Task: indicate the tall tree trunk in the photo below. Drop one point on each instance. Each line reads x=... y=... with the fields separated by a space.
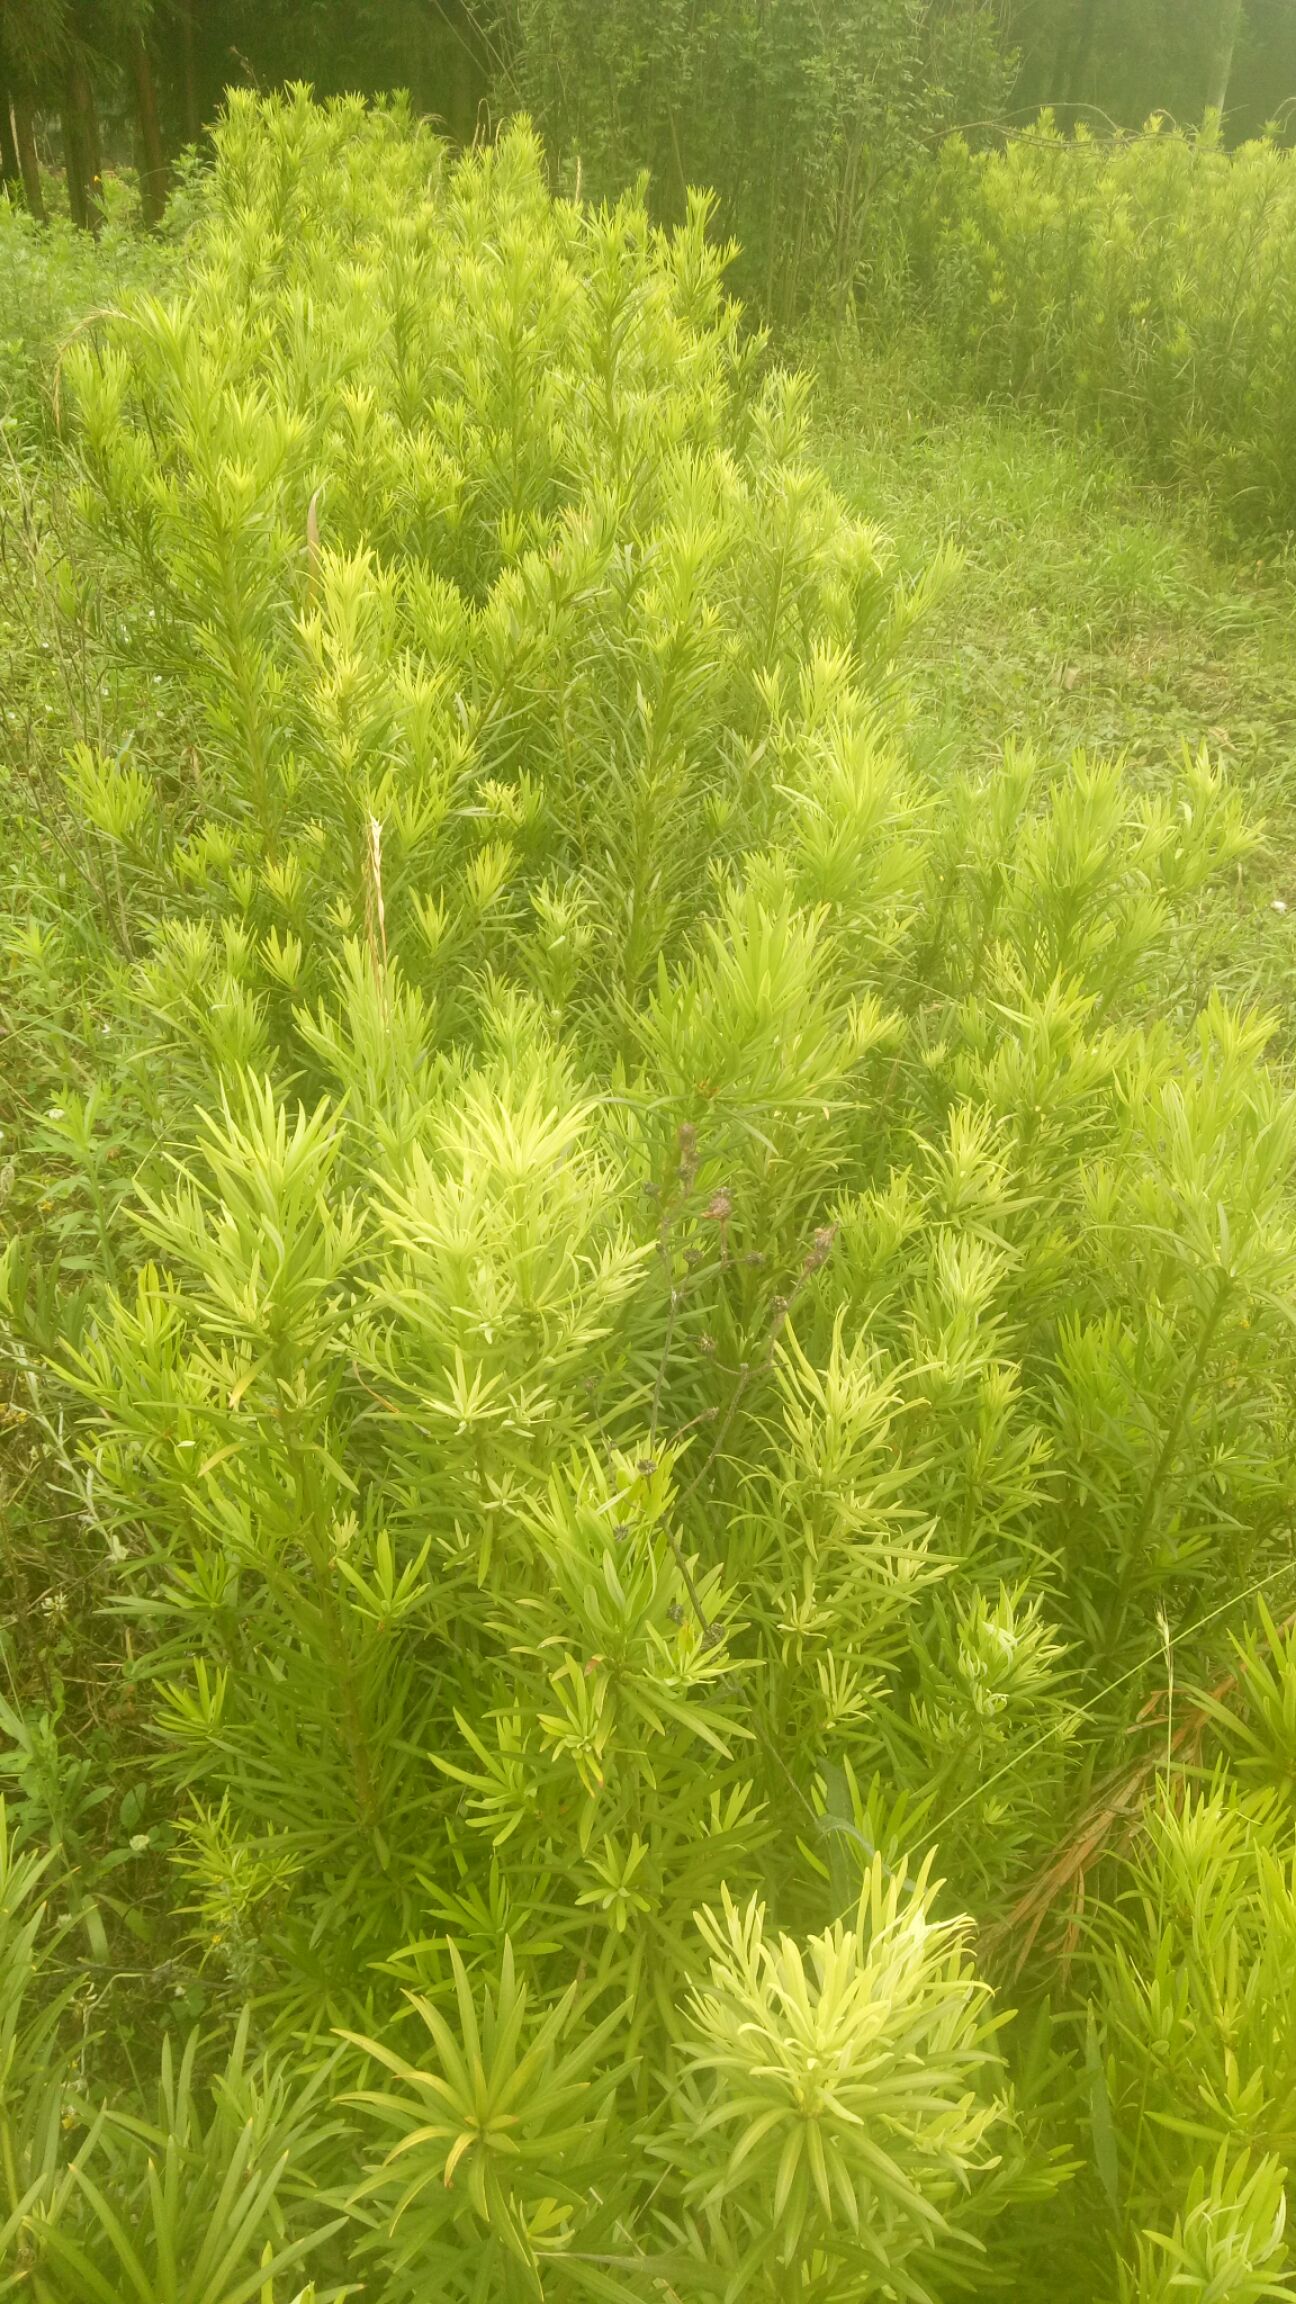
x=153 y=170
x=10 y=172
x=25 y=138
x=81 y=146
x=464 y=68
x=190 y=107
x=461 y=105
x=1060 y=76
x=1083 y=50
x=73 y=169
x=419 y=39
x=1225 y=49
x=1042 y=36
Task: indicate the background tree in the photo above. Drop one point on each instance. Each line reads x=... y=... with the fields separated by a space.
x=29 y=34
x=803 y=115
x=134 y=37
x=83 y=58
x=10 y=167
x=800 y=116
x=1263 y=86
x=436 y=49
x=1223 y=52
x=1128 y=60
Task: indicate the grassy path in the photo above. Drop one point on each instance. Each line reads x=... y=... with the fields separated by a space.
x=1090 y=614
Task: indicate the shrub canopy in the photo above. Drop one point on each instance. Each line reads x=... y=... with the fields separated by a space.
x=690 y=1305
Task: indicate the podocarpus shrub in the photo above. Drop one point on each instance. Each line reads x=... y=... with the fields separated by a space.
x=1146 y=282
x=686 y=1315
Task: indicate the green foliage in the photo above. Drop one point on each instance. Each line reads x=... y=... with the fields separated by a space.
x=836 y=2097
x=501 y=2157
x=31 y=2097
x=186 y=2209
x=1147 y=282
x=804 y=118
x=50 y=276
x=641 y=1323
x=1228 y=2242
x=1192 y=1967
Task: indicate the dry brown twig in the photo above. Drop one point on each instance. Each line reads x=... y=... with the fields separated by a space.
x=1119 y=1803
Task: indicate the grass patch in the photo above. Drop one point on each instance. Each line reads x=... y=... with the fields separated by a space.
x=1093 y=613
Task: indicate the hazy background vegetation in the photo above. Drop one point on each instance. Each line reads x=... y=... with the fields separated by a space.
x=800 y=114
